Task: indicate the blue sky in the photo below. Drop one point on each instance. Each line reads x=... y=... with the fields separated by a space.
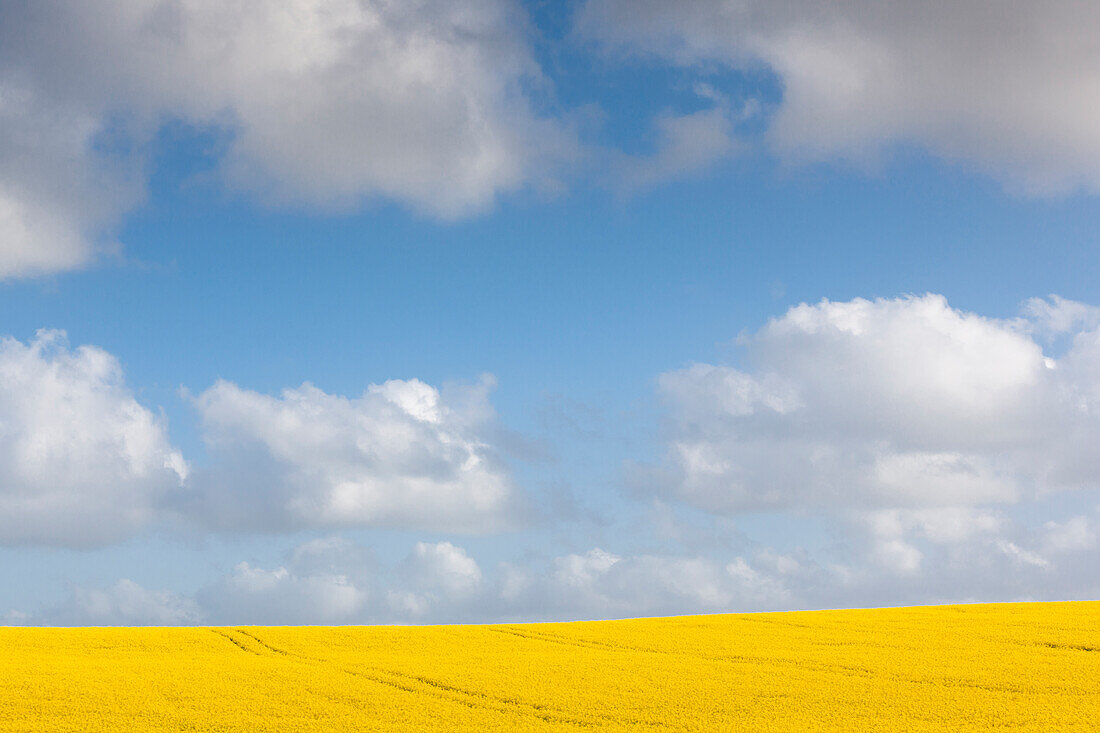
x=651 y=194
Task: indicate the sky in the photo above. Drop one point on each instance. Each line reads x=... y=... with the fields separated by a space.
x=449 y=312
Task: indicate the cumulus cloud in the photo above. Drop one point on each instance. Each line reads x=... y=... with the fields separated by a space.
x=82 y=462
x=1010 y=87
x=904 y=403
x=402 y=454
x=437 y=577
x=324 y=104
x=445 y=566
x=915 y=434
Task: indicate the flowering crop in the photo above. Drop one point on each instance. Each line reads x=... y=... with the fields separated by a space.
x=1030 y=666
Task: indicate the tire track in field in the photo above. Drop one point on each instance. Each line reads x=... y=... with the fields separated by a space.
x=274 y=649
x=846 y=670
x=236 y=643
x=560 y=715
x=415 y=684
x=849 y=670
x=1071 y=647
x=375 y=675
x=412 y=678
x=407 y=682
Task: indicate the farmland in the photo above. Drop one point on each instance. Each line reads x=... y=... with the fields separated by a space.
x=1030 y=666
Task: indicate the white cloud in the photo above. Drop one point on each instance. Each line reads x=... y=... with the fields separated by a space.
x=1011 y=87
x=907 y=428
x=441 y=583
x=892 y=558
x=14 y=617
x=282 y=596
x=578 y=571
x=82 y=463
x=325 y=104
x=898 y=555
x=685 y=145
x=653 y=584
x=402 y=454
x=437 y=577
x=600 y=584
x=445 y=566
x=58 y=198
x=1020 y=555
x=942 y=525
x=904 y=403
x=893 y=533
x=123 y=604
x=323 y=581
x=335 y=581
x=1055 y=315
x=1077 y=534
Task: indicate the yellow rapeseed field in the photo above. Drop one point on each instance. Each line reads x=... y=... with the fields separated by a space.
x=1028 y=666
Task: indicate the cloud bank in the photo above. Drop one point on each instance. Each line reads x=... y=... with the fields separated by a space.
x=900 y=451
x=332 y=580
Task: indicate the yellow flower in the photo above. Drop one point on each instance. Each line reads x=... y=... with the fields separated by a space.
x=1026 y=666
